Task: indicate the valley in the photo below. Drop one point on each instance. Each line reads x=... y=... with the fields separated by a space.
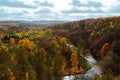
x=34 y=50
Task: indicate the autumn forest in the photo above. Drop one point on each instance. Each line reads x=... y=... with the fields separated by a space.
x=52 y=52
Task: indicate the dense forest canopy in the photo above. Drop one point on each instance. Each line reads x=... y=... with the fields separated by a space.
x=100 y=36
x=59 y=50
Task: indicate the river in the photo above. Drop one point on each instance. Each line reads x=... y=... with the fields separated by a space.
x=90 y=73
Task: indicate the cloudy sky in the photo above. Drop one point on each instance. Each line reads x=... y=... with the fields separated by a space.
x=67 y=10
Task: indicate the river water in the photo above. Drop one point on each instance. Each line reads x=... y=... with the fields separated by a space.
x=90 y=73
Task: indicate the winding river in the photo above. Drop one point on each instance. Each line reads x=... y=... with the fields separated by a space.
x=90 y=73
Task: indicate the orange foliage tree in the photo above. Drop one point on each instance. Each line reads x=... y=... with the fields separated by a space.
x=2 y=47
x=74 y=60
x=104 y=48
x=12 y=41
x=63 y=40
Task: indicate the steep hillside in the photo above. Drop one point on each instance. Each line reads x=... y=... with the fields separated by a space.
x=60 y=50
x=101 y=37
x=90 y=30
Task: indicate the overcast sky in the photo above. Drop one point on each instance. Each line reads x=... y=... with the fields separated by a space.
x=67 y=10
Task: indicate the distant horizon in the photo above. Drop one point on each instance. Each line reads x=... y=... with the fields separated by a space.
x=59 y=20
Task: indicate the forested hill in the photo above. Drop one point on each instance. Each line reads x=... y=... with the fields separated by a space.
x=88 y=23
x=60 y=50
x=100 y=36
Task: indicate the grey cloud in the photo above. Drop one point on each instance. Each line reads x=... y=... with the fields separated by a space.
x=10 y=3
x=13 y=16
x=43 y=11
x=20 y=13
x=43 y=4
x=95 y=15
x=94 y=4
x=115 y=9
x=4 y=13
x=75 y=10
x=77 y=3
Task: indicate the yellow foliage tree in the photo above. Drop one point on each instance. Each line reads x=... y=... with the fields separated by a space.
x=63 y=41
x=27 y=76
x=111 y=25
x=11 y=75
x=54 y=44
x=26 y=43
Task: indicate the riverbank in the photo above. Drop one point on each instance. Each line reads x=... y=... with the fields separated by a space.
x=90 y=73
